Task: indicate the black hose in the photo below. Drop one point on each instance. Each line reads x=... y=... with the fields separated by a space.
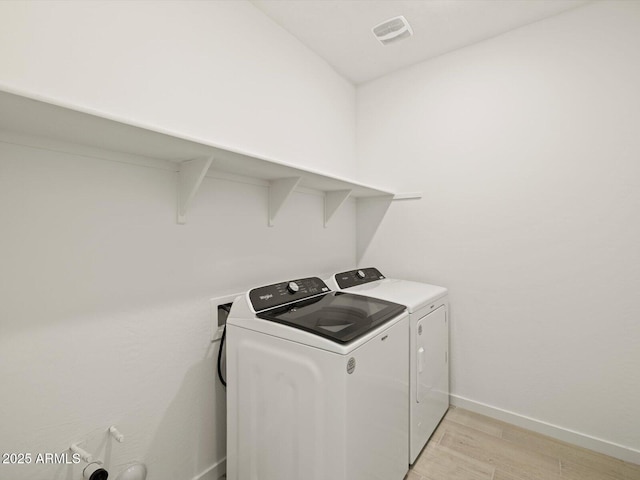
x=227 y=309
x=220 y=357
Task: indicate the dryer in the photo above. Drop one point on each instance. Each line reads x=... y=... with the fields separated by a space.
x=428 y=347
x=317 y=385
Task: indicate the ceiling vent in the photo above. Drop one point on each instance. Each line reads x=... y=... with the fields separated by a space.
x=392 y=30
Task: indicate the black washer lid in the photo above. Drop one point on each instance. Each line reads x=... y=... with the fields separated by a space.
x=338 y=316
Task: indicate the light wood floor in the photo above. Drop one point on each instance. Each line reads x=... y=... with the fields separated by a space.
x=468 y=446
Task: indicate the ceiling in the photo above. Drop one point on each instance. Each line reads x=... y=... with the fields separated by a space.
x=340 y=30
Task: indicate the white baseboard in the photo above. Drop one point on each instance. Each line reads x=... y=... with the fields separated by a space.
x=559 y=433
x=214 y=472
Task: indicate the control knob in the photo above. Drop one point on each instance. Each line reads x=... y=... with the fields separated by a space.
x=292 y=287
x=360 y=274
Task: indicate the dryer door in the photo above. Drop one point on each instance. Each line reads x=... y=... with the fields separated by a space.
x=430 y=378
x=431 y=348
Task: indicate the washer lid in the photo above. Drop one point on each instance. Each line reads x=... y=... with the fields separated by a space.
x=414 y=295
x=337 y=316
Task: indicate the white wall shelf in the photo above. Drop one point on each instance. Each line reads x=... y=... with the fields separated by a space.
x=41 y=118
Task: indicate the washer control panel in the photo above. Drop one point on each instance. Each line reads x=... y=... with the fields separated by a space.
x=277 y=294
x=358 y=277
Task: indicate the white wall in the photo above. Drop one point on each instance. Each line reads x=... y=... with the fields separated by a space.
x=220 y=71
x=527 y=150
x=104 y=311
x=104 y=304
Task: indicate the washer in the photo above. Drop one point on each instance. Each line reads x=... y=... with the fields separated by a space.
x=428 y=344
x=317 y=385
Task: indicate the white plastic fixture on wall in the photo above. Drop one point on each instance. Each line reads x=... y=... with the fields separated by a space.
x=216 y=328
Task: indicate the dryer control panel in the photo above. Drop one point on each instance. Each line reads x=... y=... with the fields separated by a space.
x=358 y=277
x=270 y=296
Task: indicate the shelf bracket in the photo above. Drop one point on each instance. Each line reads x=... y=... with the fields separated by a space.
x=332 y=203
x=369 y=215
x=190 y=176
x=279 y=192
